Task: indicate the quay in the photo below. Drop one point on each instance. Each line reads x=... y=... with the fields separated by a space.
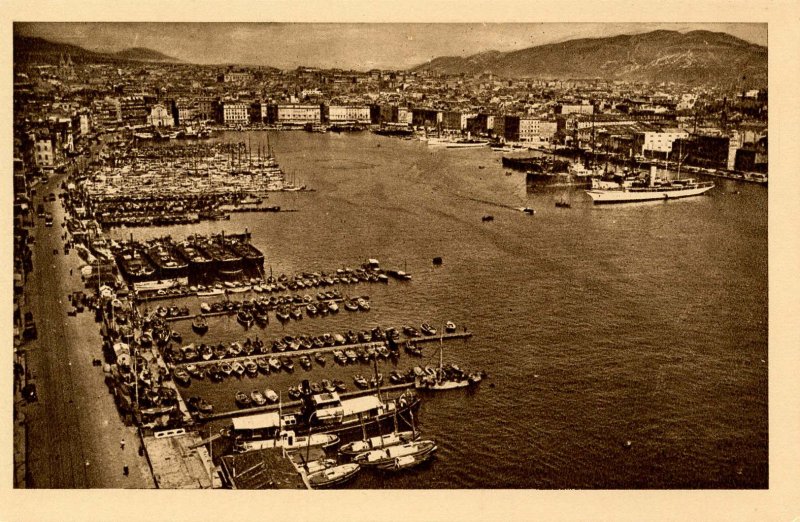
x=295 y=404
x=326 y=349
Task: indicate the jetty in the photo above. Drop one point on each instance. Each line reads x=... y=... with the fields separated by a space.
x=327 y=349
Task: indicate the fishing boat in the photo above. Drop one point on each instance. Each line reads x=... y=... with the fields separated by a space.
x=243 y=400
x=363 y=304
x=413 y=349
x=450 y=327
x=195 y=371
x=205 y=307
x=438 y=379
x=245 y=318
x=250 y=367
x=200 y=405
x=406 y=462
x=258 y=398
x=238 y=368
x=360 y=381
x=410 y=331
x=287 y=363
x=305 y=362
x=382 y=441
x=333 y=476
x=200 y=324
x=320 y=358
x=206 y=352
x=181 y=376
x=294 y=392
x=263 y=364
x=428 y=329
x=384 y=457
x=271 y=396
x=275 y=364
x=226 y=368
x=340 y=385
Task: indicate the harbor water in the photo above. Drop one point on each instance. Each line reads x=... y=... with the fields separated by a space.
x=626 y=346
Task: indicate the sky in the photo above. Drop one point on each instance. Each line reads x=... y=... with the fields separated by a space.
x=343 y=45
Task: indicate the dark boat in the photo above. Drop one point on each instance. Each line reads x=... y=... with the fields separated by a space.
x=245 y=318
x=243 y=400
x=200 y=324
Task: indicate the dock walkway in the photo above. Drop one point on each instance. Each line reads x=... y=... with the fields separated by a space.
x=327 y=349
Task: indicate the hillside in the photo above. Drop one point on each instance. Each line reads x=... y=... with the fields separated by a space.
x=39 y=50
x=696 y=57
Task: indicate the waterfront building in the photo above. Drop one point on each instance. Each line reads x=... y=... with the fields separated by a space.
x=426 y=117
x=294 y=114
x=233 y=113
x=703 y=151
x=405 y=115
x=658 y=144
x=348 y=114
x=182 y=112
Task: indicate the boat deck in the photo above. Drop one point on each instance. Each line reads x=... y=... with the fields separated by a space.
x=296 y=404
x=261 y=469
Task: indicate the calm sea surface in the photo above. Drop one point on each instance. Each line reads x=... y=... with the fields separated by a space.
x=598 y=325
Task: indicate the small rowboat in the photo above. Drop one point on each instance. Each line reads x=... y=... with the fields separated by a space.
x=242 y=400
x=258 y=398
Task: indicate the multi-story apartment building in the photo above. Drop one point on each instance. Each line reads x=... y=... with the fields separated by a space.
x=348 y=114
x=658 y=143
x=44 y=151
x=294 y=113
x=234 y=113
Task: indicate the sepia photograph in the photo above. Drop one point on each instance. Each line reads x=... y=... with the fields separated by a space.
x=299 y=254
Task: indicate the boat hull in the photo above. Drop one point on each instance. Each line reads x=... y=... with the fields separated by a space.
x=600 y=197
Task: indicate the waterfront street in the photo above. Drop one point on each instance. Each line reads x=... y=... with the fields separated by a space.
x=75 y=420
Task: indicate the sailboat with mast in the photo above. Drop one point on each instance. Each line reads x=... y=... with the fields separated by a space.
x=440 y=379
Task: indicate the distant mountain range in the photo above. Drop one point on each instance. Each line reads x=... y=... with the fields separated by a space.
x=39 y=50
x=694 y=58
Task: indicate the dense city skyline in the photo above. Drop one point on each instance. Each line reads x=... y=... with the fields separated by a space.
x=346 y=45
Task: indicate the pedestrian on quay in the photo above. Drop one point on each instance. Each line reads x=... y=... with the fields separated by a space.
x=122 y=444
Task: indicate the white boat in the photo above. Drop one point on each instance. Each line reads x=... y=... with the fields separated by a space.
x=271 y=396
x=382 y=457
x=238 y=289
x=651 y=189
x=652 y=192
x=333 y=476
x=384 y=441
x=288 y=440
